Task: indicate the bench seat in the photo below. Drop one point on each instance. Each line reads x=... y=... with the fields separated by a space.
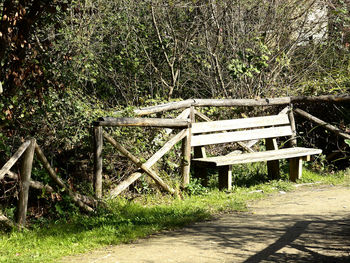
x=271 y=129
x=271 y=155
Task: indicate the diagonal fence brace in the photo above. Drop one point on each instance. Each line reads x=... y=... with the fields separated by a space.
x=135 y=160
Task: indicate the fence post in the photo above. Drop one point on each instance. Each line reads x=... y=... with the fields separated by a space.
x=293 y=141
x=98 y=145
x=26 y=171
x=186 y=153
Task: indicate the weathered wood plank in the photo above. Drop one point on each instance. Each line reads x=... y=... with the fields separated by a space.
x=246 y=146
x=207 y=139
x=322 y=123
x=143 y=122
x=245 y=123
x=8 y=165
x=98 y=145
x=26 y=171
x=293 y=139
x=322 y=98
x=186 y=152
x=234 y=153
x=240 y=102
x=285 y=110
x=136 y=161
x=124 y=184
x=259 y=156
x=164 y=107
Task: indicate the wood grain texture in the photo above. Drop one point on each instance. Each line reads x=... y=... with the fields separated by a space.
x=293 y=139
x=207 y=139
x=226 y=125
x=246 y=146
x=124 y=184
x=240 y=102
x=259 y=156
x=184 y=115
x=164 y=107
x=186 y=152
x=143 y=122
x=98 y=145
x=26 y=171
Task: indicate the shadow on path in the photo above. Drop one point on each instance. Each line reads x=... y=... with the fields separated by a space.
x=312 y=225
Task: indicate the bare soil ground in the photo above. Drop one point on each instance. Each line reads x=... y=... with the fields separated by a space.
x=311 y=224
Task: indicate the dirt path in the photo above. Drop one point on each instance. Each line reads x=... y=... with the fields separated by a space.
x=307 y=225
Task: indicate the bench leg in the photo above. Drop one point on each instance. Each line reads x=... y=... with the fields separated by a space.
x=225 y=177
x=273 y=169
x=201 y=173
x=295 y=168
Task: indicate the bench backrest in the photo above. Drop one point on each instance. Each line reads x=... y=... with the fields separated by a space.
x=240 y=130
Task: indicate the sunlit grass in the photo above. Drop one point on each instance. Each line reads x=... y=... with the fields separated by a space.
x=125 y=221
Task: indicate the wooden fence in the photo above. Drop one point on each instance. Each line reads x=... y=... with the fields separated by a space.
x=183 y=123
x=27 y=151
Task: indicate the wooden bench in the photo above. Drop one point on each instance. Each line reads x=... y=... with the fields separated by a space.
x=239 y=130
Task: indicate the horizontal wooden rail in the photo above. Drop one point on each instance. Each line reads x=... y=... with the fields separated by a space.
x=143 y=122
x=164 y=107
x=240 y=102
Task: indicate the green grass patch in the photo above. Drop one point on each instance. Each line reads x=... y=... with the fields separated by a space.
x=333 y=178
x=124 y=221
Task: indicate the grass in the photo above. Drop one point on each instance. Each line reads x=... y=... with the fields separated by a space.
x=124 y=221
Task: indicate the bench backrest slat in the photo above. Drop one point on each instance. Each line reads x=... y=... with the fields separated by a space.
x=226 y=125
x=236 y=136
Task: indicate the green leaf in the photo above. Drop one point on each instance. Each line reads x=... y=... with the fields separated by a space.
x=347 y=142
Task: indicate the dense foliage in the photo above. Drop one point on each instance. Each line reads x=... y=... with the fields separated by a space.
x=66 y=63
